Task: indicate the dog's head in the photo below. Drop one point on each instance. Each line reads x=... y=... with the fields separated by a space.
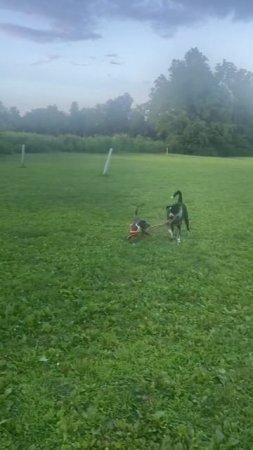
x=169 y=212
x=135 y=227
x=139 y=226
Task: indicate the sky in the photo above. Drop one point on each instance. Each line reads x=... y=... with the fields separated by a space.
x=60 y=51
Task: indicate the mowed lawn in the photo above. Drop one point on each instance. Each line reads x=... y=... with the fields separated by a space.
x=107 y=345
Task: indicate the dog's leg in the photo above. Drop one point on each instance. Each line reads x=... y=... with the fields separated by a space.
x=187 y=223
x=186 y=218
x=171 y=231
x=178 y=234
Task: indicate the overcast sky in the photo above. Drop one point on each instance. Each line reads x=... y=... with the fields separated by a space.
x=59 y=51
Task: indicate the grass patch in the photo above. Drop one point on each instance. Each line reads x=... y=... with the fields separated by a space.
x=108 y=345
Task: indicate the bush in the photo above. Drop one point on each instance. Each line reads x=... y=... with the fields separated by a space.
x=10 y=142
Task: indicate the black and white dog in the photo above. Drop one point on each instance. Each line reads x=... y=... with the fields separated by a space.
x=139 y=227
x=176 y=215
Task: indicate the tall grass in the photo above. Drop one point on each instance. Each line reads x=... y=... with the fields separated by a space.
x=10 y=142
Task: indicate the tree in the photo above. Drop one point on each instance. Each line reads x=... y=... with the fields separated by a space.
x=3 y=117
x=45 y=120
x=191 y=84
x=76 y=120
x=139 y=122
x=200 y=111
x=238 y=84
x=116 y=114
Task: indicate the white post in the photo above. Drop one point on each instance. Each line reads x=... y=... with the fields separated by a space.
x=107 y=162
x=167 y=150
x=23 y=155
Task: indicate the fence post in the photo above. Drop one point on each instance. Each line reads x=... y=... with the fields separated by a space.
x=22 y=156
x=107 y=162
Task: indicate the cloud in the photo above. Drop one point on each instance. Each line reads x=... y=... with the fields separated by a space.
x=49 y=59
x=75 y=20
x=112 y=55
x=115 y=63
x=43 y=36
x=74 y=63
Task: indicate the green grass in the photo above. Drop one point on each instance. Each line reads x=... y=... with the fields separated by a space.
x=105 y=345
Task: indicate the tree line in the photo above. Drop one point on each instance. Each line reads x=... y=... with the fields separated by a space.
x=113 y=117
x=194 y=110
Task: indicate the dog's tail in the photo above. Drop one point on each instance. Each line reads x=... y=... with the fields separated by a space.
x=180 y=196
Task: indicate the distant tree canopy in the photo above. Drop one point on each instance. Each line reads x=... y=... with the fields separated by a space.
x=195 y=110
x=200 y=111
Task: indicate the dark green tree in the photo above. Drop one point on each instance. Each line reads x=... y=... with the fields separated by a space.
x=200 y=111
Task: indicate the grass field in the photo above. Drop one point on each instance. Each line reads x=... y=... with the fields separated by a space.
x=105 y=345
